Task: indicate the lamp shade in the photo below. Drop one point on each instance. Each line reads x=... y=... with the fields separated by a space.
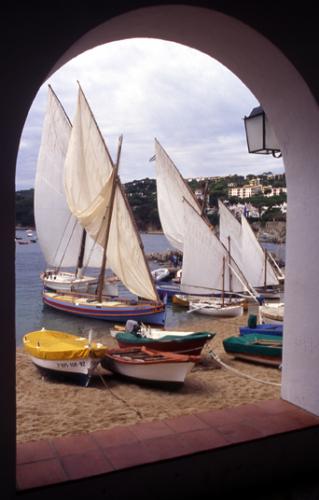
x=259 y=134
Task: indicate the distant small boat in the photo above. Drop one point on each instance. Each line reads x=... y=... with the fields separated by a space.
x=64 y=355
x=22 y=242
x=146 y=365
x=65 y=282
x=256 y=347
x=164 y=340
x=160 y=274
x=265 y=328
x=209 y=308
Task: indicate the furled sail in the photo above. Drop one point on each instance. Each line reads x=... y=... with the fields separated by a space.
x=171 y=190
x=59 y=233
x=244 y=248
x=203 y=259
x=89 y=177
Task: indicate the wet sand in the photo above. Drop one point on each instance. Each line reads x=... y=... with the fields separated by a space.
x=47 y=408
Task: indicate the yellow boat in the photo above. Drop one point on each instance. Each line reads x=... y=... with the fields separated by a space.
x=64 y=355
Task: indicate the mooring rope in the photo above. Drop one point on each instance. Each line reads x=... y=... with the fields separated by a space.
x=218 y=360
x=138 y=413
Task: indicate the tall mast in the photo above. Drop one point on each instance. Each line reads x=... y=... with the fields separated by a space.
x=81 y=254
x=107 y=232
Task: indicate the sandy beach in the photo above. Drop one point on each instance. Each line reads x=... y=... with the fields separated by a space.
x=47 y=408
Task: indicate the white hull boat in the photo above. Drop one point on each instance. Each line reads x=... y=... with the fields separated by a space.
x=162 y=273
x=272 y=313
x=67 y=282
x=216 y=309
x=146 y=365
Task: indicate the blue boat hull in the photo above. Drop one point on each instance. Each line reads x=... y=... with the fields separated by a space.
x=266 y=329
x=146 y=312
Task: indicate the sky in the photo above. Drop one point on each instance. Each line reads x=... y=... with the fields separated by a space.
x=147 y=88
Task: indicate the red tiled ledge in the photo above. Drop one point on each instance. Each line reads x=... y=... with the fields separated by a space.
x=47 y=462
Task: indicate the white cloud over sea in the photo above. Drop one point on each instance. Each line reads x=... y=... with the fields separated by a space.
x=145 y=88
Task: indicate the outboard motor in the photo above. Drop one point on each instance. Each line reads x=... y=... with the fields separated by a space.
x=132 y=326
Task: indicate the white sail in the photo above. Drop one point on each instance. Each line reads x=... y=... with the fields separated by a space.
x=171 y=190
x=230 y=233
x=59 y=233
x=203 y=259
x=125 y=254
x=244 y=248
x=253 y=259
x=89 y=173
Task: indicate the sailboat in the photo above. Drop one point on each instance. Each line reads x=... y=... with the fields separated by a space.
x=253 y=260
x=60 y=236
x=96 y=198
x=208 y=267
x=188 y=230
x=171 y=191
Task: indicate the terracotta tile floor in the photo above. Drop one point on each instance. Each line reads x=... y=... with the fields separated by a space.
x=62 y=459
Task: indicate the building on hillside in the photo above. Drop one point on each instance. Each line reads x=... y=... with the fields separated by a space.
x=246 y=191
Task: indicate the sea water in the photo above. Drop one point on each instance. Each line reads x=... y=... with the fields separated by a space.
x=32 y=314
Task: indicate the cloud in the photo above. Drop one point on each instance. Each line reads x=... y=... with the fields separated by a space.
x=145 y=88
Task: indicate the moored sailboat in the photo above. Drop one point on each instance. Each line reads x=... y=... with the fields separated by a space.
x=188 y=230
x=256 y=263
x=61 y=238
x=99 y=204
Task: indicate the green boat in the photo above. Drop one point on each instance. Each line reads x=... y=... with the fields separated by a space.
x=256 y=347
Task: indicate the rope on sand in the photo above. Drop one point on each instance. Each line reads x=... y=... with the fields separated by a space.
x=139 y=414
x=216 y=358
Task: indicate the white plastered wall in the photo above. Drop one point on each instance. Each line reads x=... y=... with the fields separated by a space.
x=294 y=116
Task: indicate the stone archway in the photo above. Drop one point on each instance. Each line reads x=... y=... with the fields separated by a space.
x=293 y=113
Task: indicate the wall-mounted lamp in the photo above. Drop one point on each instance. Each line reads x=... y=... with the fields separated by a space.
x=259 y=134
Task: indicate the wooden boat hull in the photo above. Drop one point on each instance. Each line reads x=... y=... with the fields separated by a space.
x=265 y=349
x=143 y=365
x=192 y=343
x=115 y=311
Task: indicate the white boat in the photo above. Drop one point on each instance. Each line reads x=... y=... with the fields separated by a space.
x=228 y=310
x=62 y=240
x=146 y=365
x=272 y=313
x=64 y=355
x=66 y=282
x=98 y=202
x=256 y=263
x=160 y=274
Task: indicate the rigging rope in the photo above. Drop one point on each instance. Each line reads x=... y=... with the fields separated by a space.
x=237 y=372
x=60 y=243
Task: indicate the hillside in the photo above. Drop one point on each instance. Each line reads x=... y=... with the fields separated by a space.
x=142 y=194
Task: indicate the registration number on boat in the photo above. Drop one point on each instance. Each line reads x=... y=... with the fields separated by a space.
x=70 y=364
